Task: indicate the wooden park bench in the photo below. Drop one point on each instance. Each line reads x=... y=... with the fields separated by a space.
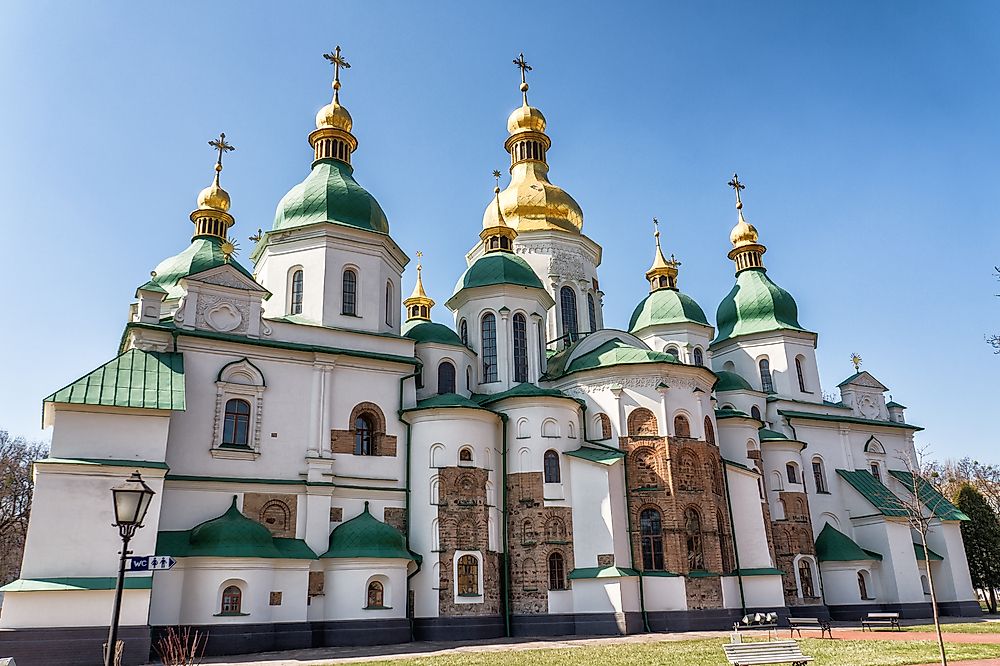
x=881 y=620
x=797 y=624
x=772 y=652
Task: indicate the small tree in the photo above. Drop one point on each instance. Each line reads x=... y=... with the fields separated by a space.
x=181 y=646
x=981 y=535
x=16 y=485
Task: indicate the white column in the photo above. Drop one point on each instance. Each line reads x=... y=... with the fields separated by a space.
x=505 y=357
x=534 y=345
x=315 y=413
x=665 y=428
x=617 y=392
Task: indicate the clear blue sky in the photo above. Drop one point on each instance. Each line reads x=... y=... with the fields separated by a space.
x=866 y=133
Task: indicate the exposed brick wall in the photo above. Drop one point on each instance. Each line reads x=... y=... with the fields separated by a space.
x=535 y=532
x=463 y=524
x=676 y=475
x=336 y=514
x=607 y=560
x=791 y=536
x=396 y=516
x=342 y=441
x=273 y=511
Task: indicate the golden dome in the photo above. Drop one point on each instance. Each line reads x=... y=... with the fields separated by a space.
x=334 y=115
x=524 y=119
x=743 y=233
x=214 y=197
x=531 y=203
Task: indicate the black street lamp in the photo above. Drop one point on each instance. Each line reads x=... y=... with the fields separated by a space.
x=132 y=499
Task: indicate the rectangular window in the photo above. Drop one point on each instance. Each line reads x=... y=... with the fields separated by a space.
x=489 y=348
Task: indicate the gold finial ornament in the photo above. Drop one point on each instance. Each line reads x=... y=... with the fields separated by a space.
x=856 y=360
x=499 y=236
x=747 y=252
x=419 y=304
x=211 y=217
x=663 y=273
x=530 y=202
x=332 y=138
x=230 y=248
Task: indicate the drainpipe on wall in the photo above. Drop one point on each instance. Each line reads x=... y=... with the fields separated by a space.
x=736 y=548
x=628 y=519
x=406 y=494
x=503 y=523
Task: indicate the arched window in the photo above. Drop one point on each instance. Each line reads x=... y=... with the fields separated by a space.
x=682 y=428
x=591 y=312
x=349 y=302
x=651 y=533
x=489 y=348
x=468 y=378
x=376 y=595
x=642 y=422
x=819 y=476
x=552 y=474
x=755 y=413
x=446 y=377
x=236 y=428
x=363 y=431
x=567 y=299
x=465 y=455
x=709 y=431
x=557 y=572
x=605 y=426
x=806 y=579
x=699 y=356
x=673 y=350
x=766 y=385
x=863 y=584
x=232 y=601
x=468 y=576
x=296 y=304
x=792 y=472
x=692 y=531
x=800 y=373
x=876 y=472
x=520 y=348
x=463 y=331
x=388 y=303
x=925 y=584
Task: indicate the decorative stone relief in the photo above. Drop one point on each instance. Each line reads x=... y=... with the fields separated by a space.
x=631 y=382
x=222 y=314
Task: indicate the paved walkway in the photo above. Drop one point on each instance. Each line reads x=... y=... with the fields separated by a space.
x=888 y=635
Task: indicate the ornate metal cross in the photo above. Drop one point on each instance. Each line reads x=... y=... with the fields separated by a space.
x=337 y=61
x=737 y=186
x=523 y=65
x=221 y=146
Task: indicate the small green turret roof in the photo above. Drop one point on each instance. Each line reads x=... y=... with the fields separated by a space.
x=666 y=306
x=524 y=390
x=366 y=536
x=230 y=535
x=330 y=194
x=755 y=305
x=428 y=331
x=204 y=253
x=730 y=381
x=832 y=545
x=617 y=352
x=446 y=400
x=498 y=268
x=765 y=434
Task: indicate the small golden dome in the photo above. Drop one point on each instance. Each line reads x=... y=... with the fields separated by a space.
x=531 y=203
x=334 y=115
x=743 y=233
x=214 y=197
x=525 y=118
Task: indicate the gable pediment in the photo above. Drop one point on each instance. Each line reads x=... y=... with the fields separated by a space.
x=863 y=379
x=227 y=276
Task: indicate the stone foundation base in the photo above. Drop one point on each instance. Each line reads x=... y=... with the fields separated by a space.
x=855 y=612
x=70 y=646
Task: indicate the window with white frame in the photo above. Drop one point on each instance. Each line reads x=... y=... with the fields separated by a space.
x=239 y=399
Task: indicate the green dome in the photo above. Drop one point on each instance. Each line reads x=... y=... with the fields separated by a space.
x=204 y=253
x=666 y=306
x=232 y=535
x=755 y=305
x=730 y=381
x=366 y=536
x=330 y=194
x=498 y=268
x=429 y=331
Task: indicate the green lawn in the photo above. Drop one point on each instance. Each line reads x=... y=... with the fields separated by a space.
x=961 y=628
x=708 y=652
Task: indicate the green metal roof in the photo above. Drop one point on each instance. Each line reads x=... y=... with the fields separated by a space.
x=524 y=390
x=204 y=253
x=918 y=551
x=594 y=455
x=429 y=331
x=666 y=306
x=366 y=536
x=330 y=194
x=230 y=535
x=137 y=379
x=602 y=572
x=758 y=571
x=104 y=462
x=730 y=381
x=76 y=584
x=764 y=434
x=872 y=490
x=893 y=403
x=447 y=400
x=847 y=419
x=929 y=496
x=616 y=352
x=755 y=305
x=731 y=414
x=498 y=268
x=832 y=545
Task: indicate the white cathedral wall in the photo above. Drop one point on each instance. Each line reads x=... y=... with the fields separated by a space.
x=593 y=524
x=781 y=349
x=666 y=593
x=748 y=519
x=346 y=588
x=899 y=580
x=840 y=583
x=685 y=337
x=85 y=608
x=952 y=581
x=93 y=432
x=432 y=355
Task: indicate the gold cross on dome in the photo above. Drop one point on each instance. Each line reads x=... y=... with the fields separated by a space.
x=337 y=61
x=221 y=146
x=524 y=67
x=656 y=230
x=420 y=255
x=737 y=186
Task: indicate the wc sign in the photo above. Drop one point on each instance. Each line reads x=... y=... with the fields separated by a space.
x=150 y=563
